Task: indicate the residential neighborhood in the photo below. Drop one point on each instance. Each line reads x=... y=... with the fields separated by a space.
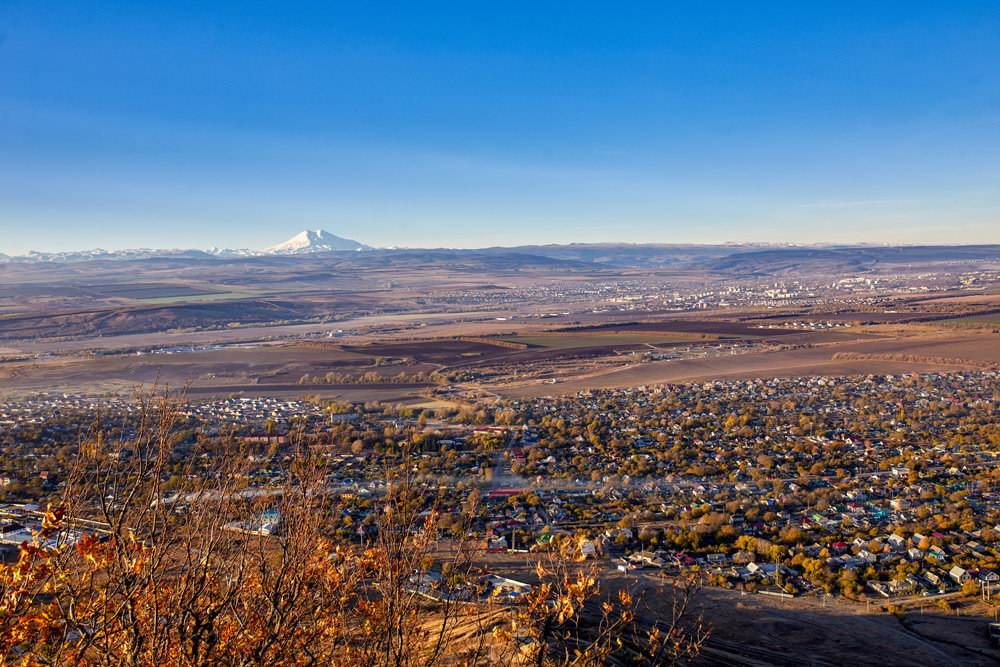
x=863 y=487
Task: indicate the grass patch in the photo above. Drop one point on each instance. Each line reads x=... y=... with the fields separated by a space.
x=972 y=322
x=221 y=296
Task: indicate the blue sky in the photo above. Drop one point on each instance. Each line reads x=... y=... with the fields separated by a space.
x=466 y=124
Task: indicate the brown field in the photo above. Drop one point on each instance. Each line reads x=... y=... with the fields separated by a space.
x=859 y=316
x=806 y=361
x=442 y=352
x=455 y=353
x=716 y=326
x=273 y=368
x=825 y=336
x=988 y=299
x=573 y=360
x=863 y=317
x=533 y=355
x=598 y=340
x=451 y=354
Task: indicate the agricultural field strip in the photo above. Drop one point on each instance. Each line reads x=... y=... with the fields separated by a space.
x=570 y=341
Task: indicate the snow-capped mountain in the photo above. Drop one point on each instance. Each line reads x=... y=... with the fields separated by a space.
x=314 y=241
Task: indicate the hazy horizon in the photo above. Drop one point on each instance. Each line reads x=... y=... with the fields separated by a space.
x=452 y=125
x=817 y=244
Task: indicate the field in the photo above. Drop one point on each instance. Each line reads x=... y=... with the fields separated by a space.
x=387 y=392
x=443 y=352
x=882 y=356
x=217 y=296
x=973 y=321
x=261 y=369
x=718 y=327
x=429 y=326
x=862 y=317
x=144 y=290
x=573 y=360
x=563 y=341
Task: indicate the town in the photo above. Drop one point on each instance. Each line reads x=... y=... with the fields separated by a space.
x=864 y=488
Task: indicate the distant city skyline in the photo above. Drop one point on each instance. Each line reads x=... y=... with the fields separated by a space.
x=193 y=125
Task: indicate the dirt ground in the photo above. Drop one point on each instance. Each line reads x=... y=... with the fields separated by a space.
x=432 y=351
x=791 y=635
x=758 y=630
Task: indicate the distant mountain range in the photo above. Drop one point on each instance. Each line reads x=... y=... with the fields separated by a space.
x=304 y=242
x=649 y=255
x=731 y=259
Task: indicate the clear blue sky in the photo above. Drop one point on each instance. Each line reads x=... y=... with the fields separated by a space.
x=177 y=124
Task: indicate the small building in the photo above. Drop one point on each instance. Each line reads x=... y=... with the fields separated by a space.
x=717 y=559
x=646 y=559
x=896 y=542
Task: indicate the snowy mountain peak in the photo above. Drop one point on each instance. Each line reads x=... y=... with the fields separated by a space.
x=314 y=241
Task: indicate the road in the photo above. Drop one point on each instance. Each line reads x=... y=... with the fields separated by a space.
x=498 y=469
